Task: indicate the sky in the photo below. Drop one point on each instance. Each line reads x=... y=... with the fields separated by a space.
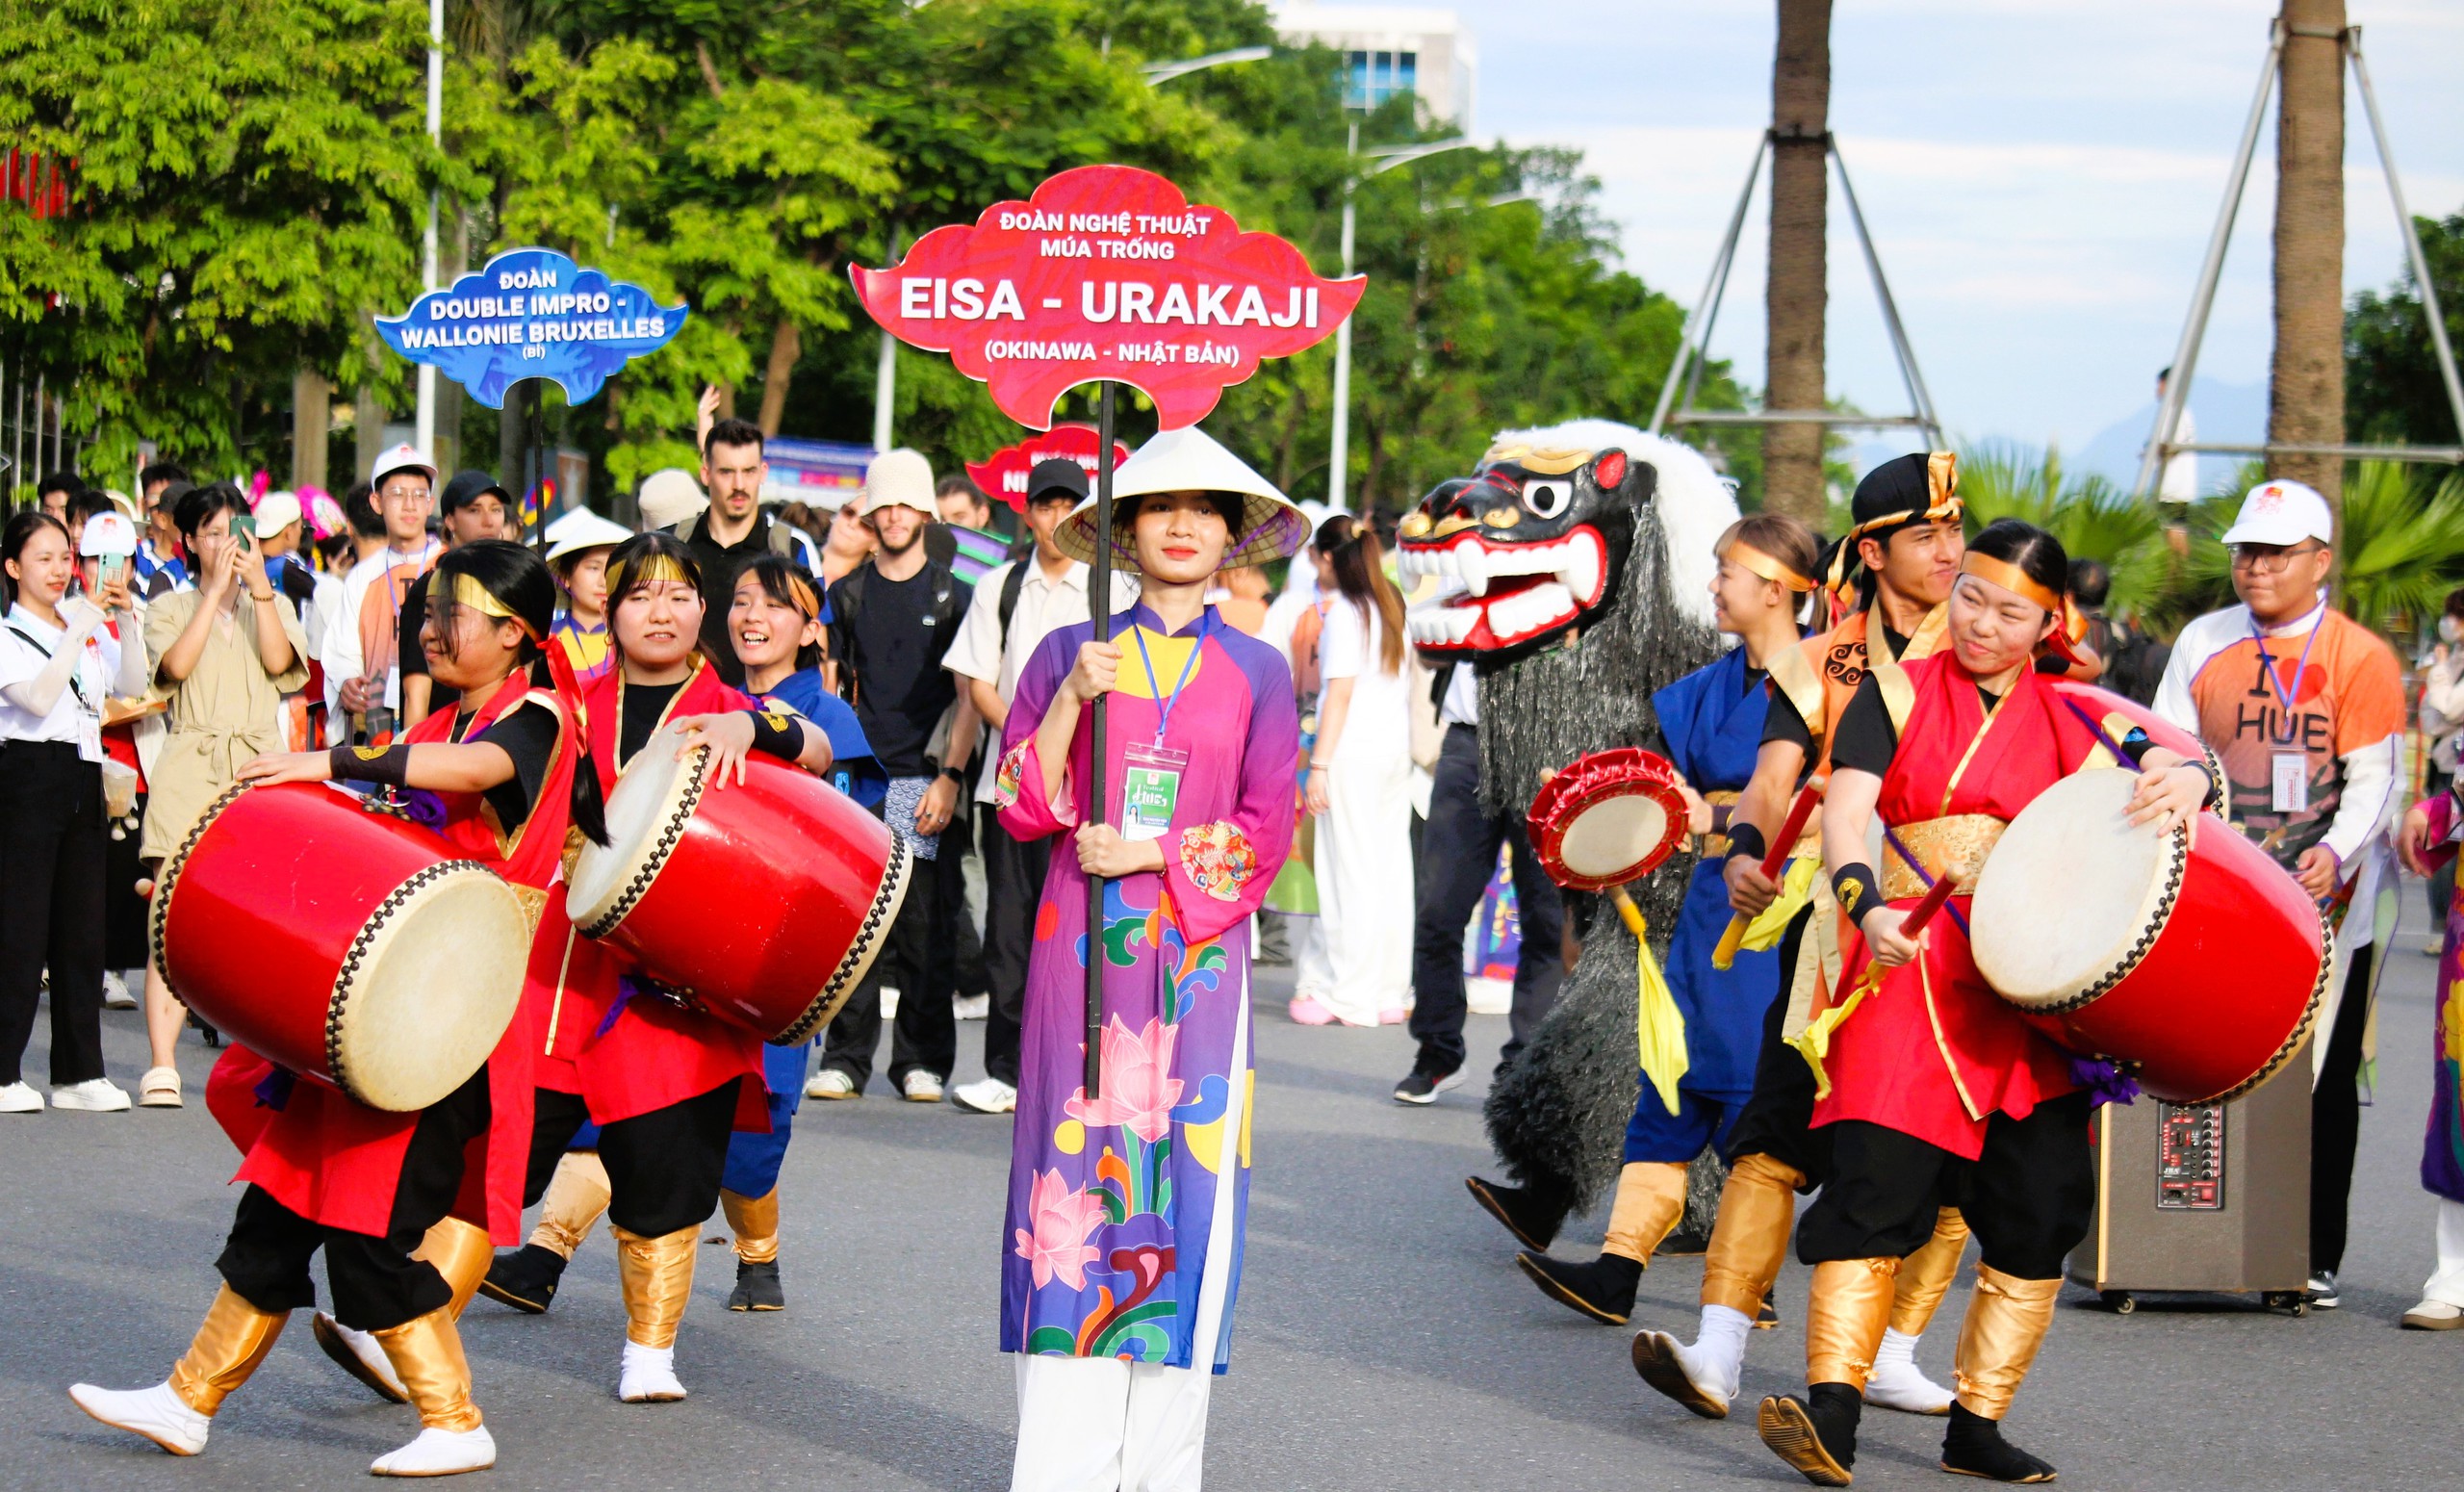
x=2041 y=177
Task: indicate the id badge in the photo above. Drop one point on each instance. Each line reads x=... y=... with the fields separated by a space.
x=1150 y=789
x=90 y=737
x=2290 y=774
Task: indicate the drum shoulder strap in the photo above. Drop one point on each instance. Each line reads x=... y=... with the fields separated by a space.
x=1898 y=691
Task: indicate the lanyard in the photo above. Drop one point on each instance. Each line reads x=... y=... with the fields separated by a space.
x=2267 y=663
x=1154 y=689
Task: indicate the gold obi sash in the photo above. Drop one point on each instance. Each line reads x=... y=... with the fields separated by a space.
x=1715 y=844
x=1954 y=845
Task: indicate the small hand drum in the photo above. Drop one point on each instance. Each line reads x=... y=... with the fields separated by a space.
x=1608 y=819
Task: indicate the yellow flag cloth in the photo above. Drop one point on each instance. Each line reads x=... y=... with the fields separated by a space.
x=1796 y=890
x=1813 y=1042
x=1659 y=1027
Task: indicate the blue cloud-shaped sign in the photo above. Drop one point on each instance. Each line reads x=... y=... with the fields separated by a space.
x=532 y=313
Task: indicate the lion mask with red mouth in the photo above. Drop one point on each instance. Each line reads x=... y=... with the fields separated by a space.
x=1536 y=546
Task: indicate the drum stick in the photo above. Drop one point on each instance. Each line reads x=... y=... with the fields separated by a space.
x=1918 y=915
x=1773 y=855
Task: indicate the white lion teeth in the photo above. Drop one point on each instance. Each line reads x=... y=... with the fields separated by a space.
x=1578 y=569
x=1473 y=563
x=1438 y=624
x=1532 y=609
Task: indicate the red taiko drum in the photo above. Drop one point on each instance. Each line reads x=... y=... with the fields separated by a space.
x=2193 y=959
x=344 y=944
x=762 y=902
x=1608 y=819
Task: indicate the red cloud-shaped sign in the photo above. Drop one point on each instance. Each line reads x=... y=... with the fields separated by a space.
x=1106 y=273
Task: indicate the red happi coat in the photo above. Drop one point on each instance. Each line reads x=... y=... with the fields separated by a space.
x=650 y=1053
x=338 y=1162
x=1934 y=1052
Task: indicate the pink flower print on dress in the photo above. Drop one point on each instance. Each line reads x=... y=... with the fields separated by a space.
x=1139 y=1090
x=1058 y=1247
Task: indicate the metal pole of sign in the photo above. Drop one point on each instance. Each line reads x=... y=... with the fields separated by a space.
x=2412 y=238
x=425 y=419
x=1696 y=331
x=1099 y=595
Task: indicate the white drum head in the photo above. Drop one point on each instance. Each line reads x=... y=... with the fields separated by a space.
x=429 y=987
x=654 y=793
x=2072 y=895
x=1606 y=841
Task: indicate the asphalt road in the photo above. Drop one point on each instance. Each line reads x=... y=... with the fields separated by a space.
x=1384 y=1337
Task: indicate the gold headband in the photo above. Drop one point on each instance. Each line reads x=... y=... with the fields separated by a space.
x=800 y=593
x=2010 y=577
x=1746 y=556
x=644 y=570
x=469 y=592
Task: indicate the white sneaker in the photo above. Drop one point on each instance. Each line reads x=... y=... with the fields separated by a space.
x=831 y=1083
x=921 y=1087
x=94 y=1095
x=22 y=1099
x=359 y=1354
x=440 y=1453
x=972 y=1007
x=157 y=1413
x=990 y=1096
x=2434 y=1316
x=648 y=1375
x=1898 y=1383
x=115 y=995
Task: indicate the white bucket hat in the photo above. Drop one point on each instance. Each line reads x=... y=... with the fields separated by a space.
x=1191 y=460
x=900 y=477
x=581 y=530
x=668 y=497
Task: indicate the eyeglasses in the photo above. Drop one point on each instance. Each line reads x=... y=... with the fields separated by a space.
x=2269 y=559
x=408 y=496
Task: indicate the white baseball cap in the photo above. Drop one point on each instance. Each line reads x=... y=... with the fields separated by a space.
x=106 y=533
x=900 y=479
x=404 y=457
x=277 y=511
x=2282 y=512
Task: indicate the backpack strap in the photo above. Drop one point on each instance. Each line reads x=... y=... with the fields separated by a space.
x=1012 y=584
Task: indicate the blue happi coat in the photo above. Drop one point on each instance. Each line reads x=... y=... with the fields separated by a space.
x=1713 y=719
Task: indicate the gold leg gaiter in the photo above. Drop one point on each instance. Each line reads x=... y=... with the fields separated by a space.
x=754 y=1222
x=427 y=1355
x=2006 y=1320
x=1926 y=1275
x=234 y=1339
x=657 y=1275
x=1750 y=1236
x=1650 y=1199
x=1845 y=1318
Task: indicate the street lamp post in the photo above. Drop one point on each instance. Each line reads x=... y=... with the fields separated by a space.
x=1339 y=447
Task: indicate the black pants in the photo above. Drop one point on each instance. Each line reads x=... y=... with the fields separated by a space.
x=1013 y=872
x=377 y=1284
x=51 y=907
x=1458 y=853
x=2335 y=1117
x=2028 y=1197
x=663 y=1166
x=958 y=953
x=925 y=1036
x=1778 y=1121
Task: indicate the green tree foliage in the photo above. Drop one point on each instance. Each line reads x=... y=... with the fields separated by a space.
x=2393 y=391
x=253 y=183
x=249 y=183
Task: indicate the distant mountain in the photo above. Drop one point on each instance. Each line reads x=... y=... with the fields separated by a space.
x=2222 y=412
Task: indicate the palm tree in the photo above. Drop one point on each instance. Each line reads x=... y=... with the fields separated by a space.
x=2092 y=517
x=1794 y=295
x=2401 y=547
x=2306 y=381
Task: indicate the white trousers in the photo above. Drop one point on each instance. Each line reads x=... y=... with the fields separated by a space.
x=1104 y=1425
x=1363 y=870
x=2448 y=1283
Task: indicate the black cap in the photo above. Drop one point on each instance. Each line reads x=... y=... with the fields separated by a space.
x=1899 y=487
x=1060 y=473
x=465 y=489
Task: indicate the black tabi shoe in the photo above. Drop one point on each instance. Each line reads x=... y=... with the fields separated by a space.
x=1603 y=1290
x=524 y=1279
x=1973 y=1447
x=321 y=1328
x=1769 y=1317
x=1818 y=1434
x=1533 y=1218
x=757 y=1288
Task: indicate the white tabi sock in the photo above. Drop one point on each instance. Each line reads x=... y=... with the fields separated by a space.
x=1717 y=1357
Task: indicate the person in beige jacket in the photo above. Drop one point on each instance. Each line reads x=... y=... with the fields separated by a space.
x=227 y=653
